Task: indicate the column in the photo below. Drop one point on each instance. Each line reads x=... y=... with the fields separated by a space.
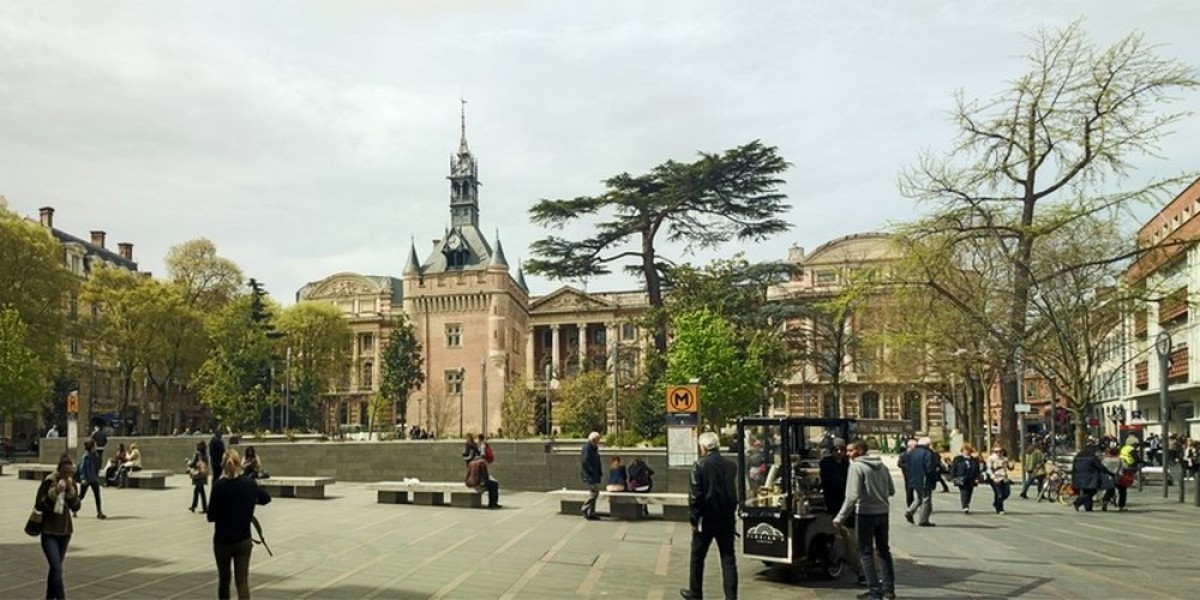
x=610 y=342
x=530 y=367
x=555 y=356
x=583 y=343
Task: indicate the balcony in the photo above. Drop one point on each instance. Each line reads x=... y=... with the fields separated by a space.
x=1178 y=367
x=1174 y=306
x=1142 y=375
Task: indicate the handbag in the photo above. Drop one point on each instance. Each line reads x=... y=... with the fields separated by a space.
x=33 y=527
x=1125 y=479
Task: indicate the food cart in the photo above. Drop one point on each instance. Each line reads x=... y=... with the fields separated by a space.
x=784 y=520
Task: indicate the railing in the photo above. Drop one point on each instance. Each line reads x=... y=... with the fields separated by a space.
x=1142 y=375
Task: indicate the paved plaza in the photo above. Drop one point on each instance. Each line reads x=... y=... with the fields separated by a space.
x=347 y=546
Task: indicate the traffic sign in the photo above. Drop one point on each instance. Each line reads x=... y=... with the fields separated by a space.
x=1022 y=408
x=683 y=399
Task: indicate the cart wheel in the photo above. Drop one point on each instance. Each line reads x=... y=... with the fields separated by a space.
x=832 y=558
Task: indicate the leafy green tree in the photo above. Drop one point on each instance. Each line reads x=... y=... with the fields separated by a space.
x=233 y=379
x=22 y=381
x=402 y=368
x=706 y=348
x=207 y=280
x=1056 y=147
x=320 y=339
x=35 y=283
x=519 y=410
x=581 y=403
x=702 y=204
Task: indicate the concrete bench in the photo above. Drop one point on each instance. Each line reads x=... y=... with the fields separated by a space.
x=1153 y=474
x=626 y=505
x=296 y=487
x=429 y=493
x=154 y=479
x=35 y=471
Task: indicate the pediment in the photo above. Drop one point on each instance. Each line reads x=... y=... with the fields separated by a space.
x=344 y=284
x=569 y=299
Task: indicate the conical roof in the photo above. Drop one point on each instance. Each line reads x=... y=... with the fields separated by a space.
x=498 y=259
x=521 y=279
x=414 y=263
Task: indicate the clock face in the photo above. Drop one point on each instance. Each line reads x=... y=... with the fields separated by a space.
x=454 y=243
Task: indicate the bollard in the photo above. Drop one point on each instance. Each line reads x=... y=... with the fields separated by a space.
x=1182 y=484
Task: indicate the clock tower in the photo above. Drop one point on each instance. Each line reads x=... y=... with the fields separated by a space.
x=464 y=181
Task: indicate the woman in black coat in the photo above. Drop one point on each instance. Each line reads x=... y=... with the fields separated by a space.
x=230 y=510
x=1086 y=471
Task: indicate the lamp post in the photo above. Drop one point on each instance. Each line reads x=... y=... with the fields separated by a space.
x=1162 y=345
x=287 y=393
x=616 y=354
x=462 y=380
x=483 y=413
x=549 y=402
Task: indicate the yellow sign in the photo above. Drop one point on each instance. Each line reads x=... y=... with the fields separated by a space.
x=683 y=399
x=73 y=403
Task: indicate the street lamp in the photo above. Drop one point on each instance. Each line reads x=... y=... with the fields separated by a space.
x=483 y=414
x=1162 y=345
x=549 y=403
x=462 y=379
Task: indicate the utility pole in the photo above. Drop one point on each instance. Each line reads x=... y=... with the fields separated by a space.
x=483 y=412
x=1162 y=345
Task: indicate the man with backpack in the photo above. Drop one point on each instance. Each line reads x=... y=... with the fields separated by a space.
x=922 y=472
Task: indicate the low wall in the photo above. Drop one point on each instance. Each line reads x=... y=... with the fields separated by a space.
x=520 y=465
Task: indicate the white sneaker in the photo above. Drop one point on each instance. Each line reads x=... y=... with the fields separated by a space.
x=1002 y=513
x=966 y=511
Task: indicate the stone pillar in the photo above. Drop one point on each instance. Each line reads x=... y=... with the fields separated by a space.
x=530 y=365
x=555 y=356
x=610 y=341
x=583 y=344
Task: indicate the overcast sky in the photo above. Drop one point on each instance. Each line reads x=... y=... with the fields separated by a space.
x=309 y=138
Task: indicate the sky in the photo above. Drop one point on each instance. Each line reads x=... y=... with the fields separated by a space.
x=307 y=138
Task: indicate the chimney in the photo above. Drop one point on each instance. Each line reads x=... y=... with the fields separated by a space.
x=98 y=238
x=435 y=243
x=47 y=214
x=125 y=249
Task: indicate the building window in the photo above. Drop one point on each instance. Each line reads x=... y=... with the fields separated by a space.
x=454 y=382
x=74 y=347
x=368 y=376
x=829 y=406
x=912 y=410
x=628 y=331
x=598 y=337
x=868 y=405
x=826 y=277
x=366 y=343
x=454 y=335
x=73 y=307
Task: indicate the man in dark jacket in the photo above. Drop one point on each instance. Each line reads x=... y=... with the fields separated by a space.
x=589 y=462
x=921 y=472
x=712 y=503
x=216 y=455
x=835 y=469
x=902 y=462
x=1085 y=476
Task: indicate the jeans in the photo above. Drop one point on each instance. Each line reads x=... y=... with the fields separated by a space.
x=872 y=533
x=1040 y=479
x=702 y=538
x=55 y=549
x=589 y=507
x=1115 y=495
x=1086 y=498
x=198 y=494
x=493 y=488
x=1000 y=490
x=239 y=555
x=95 y=486
x=922 y=504
x=964 y=495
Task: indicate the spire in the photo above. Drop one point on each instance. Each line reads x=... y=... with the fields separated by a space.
x=414 y=264
x=521 y=278
x=498 y=259
x=462 y=141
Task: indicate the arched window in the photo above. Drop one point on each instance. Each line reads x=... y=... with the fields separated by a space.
x=912 y=410
x=829 y=406
x=868 y=405
x=368 y=376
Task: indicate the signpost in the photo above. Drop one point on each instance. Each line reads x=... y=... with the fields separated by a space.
x=72 y=420
x=683 y=417
x=1162 y=345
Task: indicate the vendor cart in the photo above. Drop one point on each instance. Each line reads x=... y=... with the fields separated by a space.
x=784 y=519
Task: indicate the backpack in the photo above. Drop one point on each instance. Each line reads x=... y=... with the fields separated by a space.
x=487 y=454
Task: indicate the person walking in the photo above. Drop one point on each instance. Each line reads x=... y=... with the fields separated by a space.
x=231 y=511
x=57 y=497
x=966 y=471
x=589 y=462
x=1110 y=480
x=921 y=473
x=198 y=471
x=868 y=490
x=1085 y=476
x=89 y=476
x=998 y=466
x=1033 y=469
x=835 y=471
x=902 y=462
x=712 y=506
x=216 y=454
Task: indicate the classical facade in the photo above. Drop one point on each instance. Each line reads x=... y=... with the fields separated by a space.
x=868 y=389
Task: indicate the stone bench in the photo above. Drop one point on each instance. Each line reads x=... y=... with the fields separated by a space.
x=429 y=493
x=296 y=487
x=1153 y=474
x=154 y=479
x=626 y=505
x=35 y=471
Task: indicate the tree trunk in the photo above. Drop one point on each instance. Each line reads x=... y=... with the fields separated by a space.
x=654 y=291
